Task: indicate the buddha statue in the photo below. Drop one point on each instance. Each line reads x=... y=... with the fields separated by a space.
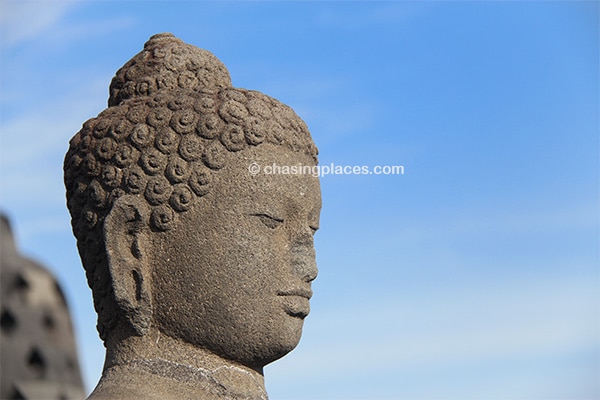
x=200 y=271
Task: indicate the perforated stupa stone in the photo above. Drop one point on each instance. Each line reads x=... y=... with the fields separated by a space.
x=38 y=352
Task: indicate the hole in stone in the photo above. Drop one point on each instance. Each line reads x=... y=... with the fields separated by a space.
x=21 y=283
x=7 y=321
x=70 y=364
x=49 y=322
x=36 y=361
x=16 y=395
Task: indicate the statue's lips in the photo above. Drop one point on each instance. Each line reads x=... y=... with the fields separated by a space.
x=300 y=292
x=296 y=302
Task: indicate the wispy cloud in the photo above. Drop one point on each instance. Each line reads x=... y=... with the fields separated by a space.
x=496 y=321
x=528 y=220
x=22 y=21
x=35 y=132
x=34 y=143
x=46 y=26
x=493 y=324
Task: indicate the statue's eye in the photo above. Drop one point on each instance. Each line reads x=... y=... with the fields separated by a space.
x=269 y=221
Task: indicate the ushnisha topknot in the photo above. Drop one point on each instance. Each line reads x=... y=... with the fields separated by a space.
x=173 y=116
x=167 y=63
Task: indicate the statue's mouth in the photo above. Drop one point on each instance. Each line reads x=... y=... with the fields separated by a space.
x=296 y=302
x=300 y=292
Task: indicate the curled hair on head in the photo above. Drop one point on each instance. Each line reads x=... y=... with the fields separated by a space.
x=162 y=142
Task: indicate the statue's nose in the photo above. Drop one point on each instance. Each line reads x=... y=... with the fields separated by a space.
x=303 y=258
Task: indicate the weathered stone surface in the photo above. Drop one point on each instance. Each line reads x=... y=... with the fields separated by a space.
x=38 y=350
x=200 y=271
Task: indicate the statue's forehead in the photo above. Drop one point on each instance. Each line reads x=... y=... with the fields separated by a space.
x=284 y=179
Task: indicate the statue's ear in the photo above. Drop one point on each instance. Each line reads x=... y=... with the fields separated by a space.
x=126 y=235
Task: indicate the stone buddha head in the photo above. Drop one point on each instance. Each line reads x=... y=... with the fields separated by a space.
x=179 y=241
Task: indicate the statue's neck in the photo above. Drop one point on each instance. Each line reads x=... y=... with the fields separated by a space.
x=159 y=366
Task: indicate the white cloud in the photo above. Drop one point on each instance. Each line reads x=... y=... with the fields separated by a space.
x=35 y=141
x=22 y=21
x=523 y=221
x=44 y=28
x=497 y=322
x=482 y=328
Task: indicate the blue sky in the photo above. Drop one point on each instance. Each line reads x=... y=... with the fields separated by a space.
x=472 y=276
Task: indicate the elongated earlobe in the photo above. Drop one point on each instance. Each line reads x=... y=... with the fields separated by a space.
x=126 y=235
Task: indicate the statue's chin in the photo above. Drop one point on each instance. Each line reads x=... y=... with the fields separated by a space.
x=261 y=353
x=282 y=344
x=255 y=351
